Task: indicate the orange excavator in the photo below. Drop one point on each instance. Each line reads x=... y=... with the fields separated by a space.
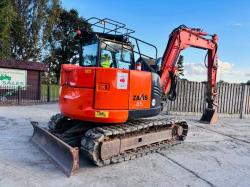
x=111 y=100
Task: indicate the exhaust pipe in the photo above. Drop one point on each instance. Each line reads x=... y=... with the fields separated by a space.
x=65 y=156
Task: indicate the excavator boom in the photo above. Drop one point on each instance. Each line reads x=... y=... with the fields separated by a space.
x=180 y=39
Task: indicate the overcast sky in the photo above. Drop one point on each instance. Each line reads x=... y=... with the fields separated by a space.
x=154 y=20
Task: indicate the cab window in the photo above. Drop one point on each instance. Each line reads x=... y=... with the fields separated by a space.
x=123 y=59
x=89 y=54
x=119 y=56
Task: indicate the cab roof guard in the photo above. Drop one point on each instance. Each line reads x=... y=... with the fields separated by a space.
x=110 y=26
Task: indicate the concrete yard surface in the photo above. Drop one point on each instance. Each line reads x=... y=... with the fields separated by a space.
x=210 y=156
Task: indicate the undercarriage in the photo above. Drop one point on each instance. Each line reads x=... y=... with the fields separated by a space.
x=105 y=144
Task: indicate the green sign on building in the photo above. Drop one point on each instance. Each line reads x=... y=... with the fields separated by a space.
x=13 y=78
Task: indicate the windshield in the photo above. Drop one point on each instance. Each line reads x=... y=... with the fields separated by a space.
x=89 y=55
x=114 y=55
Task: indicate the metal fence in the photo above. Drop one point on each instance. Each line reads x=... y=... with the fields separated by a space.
x=28 y=95
x=233 y=99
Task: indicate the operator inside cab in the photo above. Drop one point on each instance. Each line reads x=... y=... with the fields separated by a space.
x=105 y=61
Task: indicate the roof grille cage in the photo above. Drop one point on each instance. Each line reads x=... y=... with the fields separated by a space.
x=109 y=26
x=112 y=27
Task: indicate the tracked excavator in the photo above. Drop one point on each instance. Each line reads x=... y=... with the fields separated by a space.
x=111 y=103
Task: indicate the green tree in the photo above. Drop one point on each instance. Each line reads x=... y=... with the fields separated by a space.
x=6 y=17
x=222 y=82
x=32 y=26
x=63 y=48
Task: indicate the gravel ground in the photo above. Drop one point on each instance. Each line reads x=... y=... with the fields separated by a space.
x=210 y=156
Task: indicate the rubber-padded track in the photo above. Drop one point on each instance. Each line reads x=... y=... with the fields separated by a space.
x=93 y=139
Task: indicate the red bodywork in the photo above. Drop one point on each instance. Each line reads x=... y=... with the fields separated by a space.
x=181 y=39
x=93 y=94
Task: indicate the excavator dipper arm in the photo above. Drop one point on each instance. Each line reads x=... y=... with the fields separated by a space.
x=180 y=39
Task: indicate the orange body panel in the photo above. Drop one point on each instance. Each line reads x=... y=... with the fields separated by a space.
x=109 y=91
x=77 y=103
x=82 y=77
x=77 y=76
x=103 y=94
x=140 y=90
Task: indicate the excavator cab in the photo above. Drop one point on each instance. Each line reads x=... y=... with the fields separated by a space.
x=109 y=85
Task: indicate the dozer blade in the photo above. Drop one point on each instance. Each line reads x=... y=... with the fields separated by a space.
x=65 y=156
x=209 y=116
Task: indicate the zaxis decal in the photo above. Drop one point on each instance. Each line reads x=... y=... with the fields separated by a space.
x=141 y=97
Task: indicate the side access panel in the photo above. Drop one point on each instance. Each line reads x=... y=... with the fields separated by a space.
x=140 y=90
x=112 y=89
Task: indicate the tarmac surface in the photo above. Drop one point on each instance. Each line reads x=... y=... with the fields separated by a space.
x=210 y=156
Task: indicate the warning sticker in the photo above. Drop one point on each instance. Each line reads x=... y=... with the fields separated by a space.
x=101 y=114
x=122 y=80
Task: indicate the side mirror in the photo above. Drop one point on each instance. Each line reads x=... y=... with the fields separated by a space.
x=158 y=63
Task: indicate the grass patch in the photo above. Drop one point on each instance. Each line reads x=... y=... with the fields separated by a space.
x=54 y=92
